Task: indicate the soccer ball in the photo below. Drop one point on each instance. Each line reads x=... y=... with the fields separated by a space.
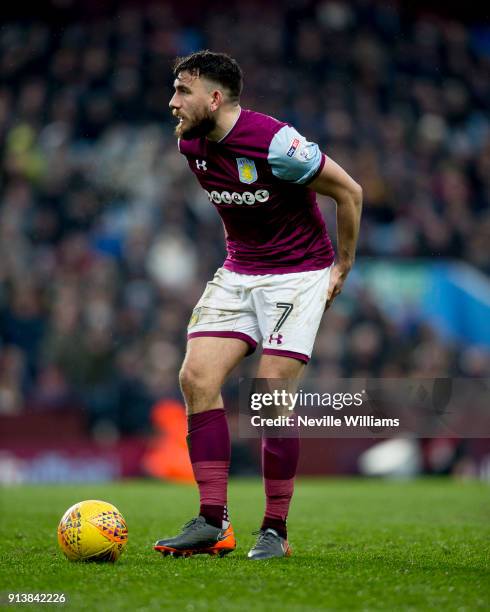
x=92 y=530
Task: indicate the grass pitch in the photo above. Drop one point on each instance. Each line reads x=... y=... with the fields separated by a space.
x=357 y=545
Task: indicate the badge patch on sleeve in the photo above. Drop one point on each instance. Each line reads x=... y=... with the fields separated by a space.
x=292 y=147
x=247 y=172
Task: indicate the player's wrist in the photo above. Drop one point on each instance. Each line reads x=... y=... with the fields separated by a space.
x=344 y=264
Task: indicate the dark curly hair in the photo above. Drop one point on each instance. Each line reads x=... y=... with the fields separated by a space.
x=218 y=67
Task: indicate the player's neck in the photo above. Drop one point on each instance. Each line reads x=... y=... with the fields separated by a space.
x=225 y=122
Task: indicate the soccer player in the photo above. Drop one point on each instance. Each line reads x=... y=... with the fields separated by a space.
x=278 y=277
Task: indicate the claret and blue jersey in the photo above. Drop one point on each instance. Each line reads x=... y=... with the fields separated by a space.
x=257 y=176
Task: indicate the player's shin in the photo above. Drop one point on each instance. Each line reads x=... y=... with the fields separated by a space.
x=208 y=440
x=279 y=465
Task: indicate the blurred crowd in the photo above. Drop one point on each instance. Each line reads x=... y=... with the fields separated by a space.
x=106 y=240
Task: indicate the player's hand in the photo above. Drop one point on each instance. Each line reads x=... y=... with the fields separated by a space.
x=337 y=278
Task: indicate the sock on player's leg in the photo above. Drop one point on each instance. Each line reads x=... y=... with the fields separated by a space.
x=279 y=464
x=208 y=440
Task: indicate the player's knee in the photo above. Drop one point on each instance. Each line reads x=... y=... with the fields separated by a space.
x=194 y=381
x=187 y=379
x=200 y=390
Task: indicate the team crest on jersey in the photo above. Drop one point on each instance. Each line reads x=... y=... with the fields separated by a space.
x=247 y=172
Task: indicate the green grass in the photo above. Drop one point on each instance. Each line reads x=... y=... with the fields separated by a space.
x=358 y=545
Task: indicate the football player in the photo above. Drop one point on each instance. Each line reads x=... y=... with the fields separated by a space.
x=279 y=276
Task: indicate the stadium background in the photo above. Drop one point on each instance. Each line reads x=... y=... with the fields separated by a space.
x=106 y=240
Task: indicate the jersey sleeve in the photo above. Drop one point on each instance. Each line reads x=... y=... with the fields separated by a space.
x=292 y=158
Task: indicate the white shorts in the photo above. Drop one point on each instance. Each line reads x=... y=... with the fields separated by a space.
x=281 y=310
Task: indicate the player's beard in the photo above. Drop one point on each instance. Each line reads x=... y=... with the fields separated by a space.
x=201 y=126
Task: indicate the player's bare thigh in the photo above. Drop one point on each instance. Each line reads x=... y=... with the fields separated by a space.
x=277 y=366
x=207 y=364
x=281 y=373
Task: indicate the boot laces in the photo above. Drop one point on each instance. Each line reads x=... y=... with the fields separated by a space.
x=264 y=537
x=193 y=524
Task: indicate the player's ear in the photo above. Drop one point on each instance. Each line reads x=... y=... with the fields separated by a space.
x=216 y=99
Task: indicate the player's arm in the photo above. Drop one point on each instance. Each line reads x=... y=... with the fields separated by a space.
x=333 y=181
x=294 y=159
